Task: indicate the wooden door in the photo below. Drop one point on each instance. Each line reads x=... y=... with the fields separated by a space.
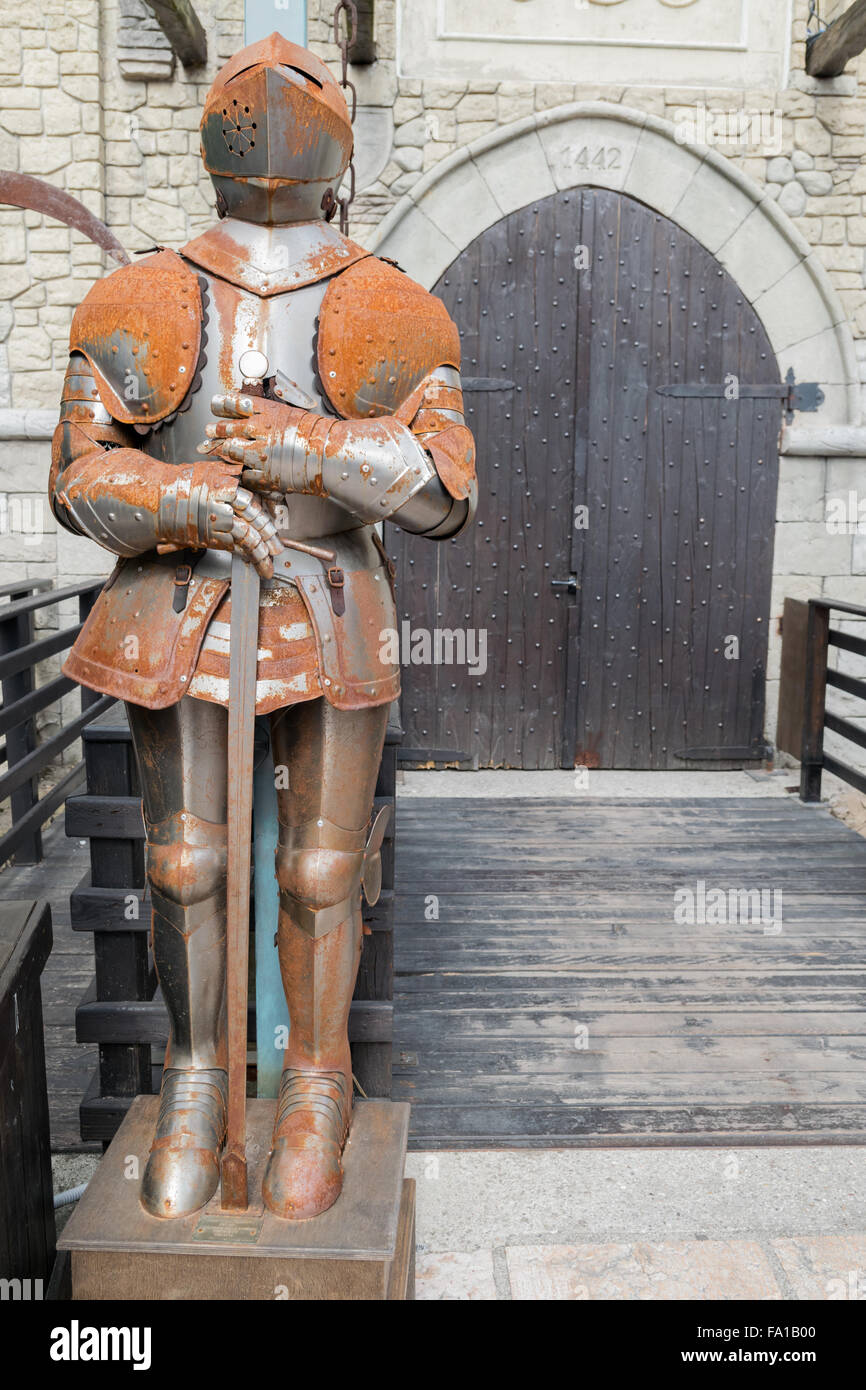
x=658 y=508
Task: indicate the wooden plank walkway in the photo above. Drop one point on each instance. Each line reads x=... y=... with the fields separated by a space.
x=556 y=1000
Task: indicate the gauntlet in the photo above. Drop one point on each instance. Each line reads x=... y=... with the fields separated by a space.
x=377 y=469
x=129 y=503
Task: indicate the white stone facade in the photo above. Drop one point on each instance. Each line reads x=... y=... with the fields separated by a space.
x=770 y=178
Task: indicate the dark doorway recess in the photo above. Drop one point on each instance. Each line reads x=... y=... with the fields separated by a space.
x=637 y=639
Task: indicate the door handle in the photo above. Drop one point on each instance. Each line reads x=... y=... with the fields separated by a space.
x=570 y=584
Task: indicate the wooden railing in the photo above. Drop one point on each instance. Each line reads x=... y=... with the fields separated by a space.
x=820 y=637
x=24 y=756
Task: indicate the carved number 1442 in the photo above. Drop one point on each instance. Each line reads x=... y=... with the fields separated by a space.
x=607 y=157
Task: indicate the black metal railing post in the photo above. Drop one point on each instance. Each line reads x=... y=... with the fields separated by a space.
x=25 y=757
x=817 y=647
x=818 y=677
x=85 y=603
x=16 y=631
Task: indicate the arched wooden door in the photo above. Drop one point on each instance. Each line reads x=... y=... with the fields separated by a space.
x=621 y=561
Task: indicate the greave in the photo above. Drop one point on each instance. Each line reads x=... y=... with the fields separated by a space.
x=304 y=1173
x=189 y=953
x=182 y=1170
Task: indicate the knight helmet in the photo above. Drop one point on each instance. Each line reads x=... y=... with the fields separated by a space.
x=276 y=134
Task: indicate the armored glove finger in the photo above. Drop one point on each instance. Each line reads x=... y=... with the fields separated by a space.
x=249 y=453
x=262 y=436
x=233 y=429
x=250 y=510
x=229 y=530
x=249 y=543
x=232 y=407
x=256 y=480
x=254 y=532
x=203 y=507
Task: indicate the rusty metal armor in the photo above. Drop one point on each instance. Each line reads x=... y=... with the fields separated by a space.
x=172 y=452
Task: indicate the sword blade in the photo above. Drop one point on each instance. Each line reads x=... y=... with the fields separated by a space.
x=243 y=648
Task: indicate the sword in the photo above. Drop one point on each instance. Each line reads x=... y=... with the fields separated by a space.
x=243 y=663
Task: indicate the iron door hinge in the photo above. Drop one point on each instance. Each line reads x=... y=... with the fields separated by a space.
x=753 y=752
x=803 y=395
x=486 y=383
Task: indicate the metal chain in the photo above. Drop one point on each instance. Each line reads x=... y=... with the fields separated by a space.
x=814 y=7
x=344 y=42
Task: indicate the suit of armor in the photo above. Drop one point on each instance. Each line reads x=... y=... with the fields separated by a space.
x=172 y=453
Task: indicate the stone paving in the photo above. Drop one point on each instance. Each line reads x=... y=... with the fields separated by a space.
x=648 y=1225
x=655 y=786
x=827 y=1267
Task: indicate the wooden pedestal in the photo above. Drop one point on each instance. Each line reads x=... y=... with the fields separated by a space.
x=363 y=1248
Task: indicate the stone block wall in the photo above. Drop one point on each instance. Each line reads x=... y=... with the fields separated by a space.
x=91 y=101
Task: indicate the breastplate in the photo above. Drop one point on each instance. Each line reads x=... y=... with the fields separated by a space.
x=283 y=327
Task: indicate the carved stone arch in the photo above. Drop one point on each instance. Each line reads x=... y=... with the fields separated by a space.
x=638 y=154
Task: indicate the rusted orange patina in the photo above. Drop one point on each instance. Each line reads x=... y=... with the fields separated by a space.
x=143 y=353
x=221 y=252
x=453 y=452
x=312 y=110
x=133 y=644
x=276 y=132
x=380 y=335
